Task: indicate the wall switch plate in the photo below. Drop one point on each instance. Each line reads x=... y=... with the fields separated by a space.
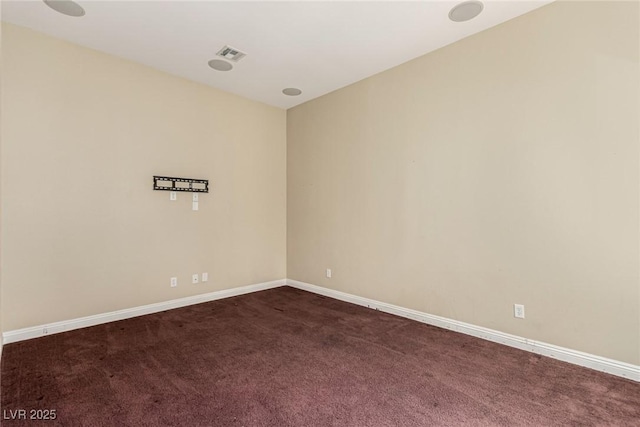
x=518 y=311
x=173 y=195
x=205 y=277
x=194 y=206
x=328 y=273
x=195 y=197
x=174 y=282
x=194 y=278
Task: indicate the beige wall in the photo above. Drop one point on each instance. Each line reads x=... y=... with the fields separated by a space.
x=83 y=233
x=501 y=169
x=1 y=204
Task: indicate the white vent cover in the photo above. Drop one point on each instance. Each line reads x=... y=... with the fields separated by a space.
x=230 y=53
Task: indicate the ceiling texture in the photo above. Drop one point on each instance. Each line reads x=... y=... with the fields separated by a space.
x=317 y=47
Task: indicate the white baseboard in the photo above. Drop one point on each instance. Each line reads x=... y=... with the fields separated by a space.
x=83 y=322
x=575 y=357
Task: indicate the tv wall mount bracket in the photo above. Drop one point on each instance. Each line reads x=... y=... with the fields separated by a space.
x=168 y=183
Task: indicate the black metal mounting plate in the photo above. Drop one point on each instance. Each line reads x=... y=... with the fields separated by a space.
x=168 y=183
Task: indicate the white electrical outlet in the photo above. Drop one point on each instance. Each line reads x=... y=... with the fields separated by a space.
x=174 y=282
x=194 y=206
x=205 y=277
x=195 y=197
x=173 y=195
x=518 y=311
x=194 y=278
x=328 y=273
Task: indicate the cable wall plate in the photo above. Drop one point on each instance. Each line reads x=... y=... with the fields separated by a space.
x=168 y=183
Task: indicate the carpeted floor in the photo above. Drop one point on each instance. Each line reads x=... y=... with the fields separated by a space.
x=285 y=357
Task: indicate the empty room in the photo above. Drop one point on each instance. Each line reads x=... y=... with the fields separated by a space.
x=320 y=213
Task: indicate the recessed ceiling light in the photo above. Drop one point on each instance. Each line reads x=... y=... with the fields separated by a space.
x=220 y=65
x=291 y=91
x=466 y=11
x=66 y=7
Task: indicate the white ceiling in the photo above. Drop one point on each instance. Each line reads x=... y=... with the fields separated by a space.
x=315 y=46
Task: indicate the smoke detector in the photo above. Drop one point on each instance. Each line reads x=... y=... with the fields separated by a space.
x=231 y=53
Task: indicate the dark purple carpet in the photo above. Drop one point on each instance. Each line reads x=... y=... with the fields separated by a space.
x=285 y=357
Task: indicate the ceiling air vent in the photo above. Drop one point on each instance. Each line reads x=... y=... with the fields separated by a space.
x=231 y=54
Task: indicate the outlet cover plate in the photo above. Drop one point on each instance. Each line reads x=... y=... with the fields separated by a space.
x=518 y=311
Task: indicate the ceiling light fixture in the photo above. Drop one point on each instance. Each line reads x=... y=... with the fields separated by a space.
x=220 y=65
x=66 y=7
x=291 y=91
x=465 y=11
